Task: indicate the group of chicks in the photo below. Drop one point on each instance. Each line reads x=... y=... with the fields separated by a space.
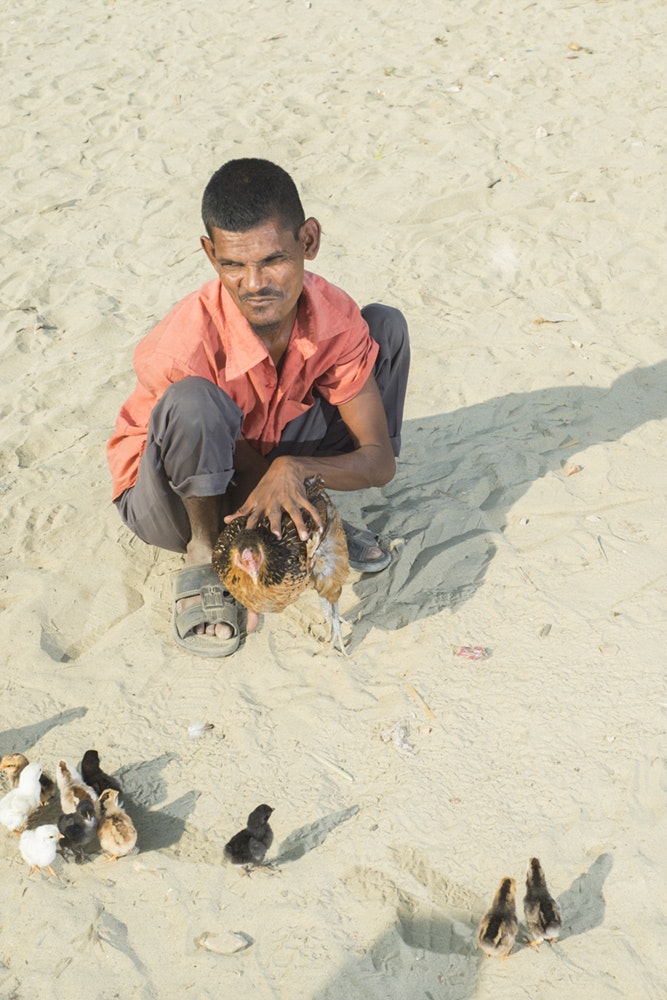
x=91 y=806
x=499 y=926
x=90 y=802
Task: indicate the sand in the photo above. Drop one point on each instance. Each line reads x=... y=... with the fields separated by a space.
x=505 y=189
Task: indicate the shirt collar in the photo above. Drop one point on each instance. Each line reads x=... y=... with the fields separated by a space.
x=243 y=348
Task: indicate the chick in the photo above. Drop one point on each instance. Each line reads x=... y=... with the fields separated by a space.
x=116 y=832
x=14 y=763
x=72 y=787
x=265 y=573
x=17 y=805
x=542 y=912
x=79 y=828
x=94 y=776
x=499 y=926
x=249 y=846
x=38 y=847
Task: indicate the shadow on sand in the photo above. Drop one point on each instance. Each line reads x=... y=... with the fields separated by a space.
x=23 y=738
x=583 y=905
x=428 y=954
x=144 y=787
x=460 y=473
x=418 y=958
x=307 y=838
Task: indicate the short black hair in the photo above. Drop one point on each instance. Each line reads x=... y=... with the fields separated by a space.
x=246 y=193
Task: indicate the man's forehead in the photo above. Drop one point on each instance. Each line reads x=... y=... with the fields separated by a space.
x=270 y=234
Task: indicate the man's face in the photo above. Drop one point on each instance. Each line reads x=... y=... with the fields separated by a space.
x=262 y=269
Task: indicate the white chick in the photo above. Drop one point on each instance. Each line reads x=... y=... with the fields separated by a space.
x=72 y=788
x=38 y=847
x=17 y=805
x=14 y=763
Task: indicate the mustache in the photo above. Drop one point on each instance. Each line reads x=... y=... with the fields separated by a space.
x=264 y=293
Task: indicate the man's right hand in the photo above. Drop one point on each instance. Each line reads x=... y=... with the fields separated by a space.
x=281 y=488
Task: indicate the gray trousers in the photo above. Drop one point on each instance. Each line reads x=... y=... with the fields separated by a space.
x=194 y=427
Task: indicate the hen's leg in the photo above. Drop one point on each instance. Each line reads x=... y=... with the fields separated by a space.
x=333 y=618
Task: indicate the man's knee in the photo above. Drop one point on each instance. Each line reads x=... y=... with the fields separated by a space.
x=195 y=403
x=387 y=325
x=190 y=396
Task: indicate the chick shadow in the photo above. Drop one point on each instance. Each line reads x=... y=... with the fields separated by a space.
x=419 y=956
x=461 y=472
x=144 y=787
x=106 y=930
x=434 y=933
x=23 y=738
x=583 y=904
x=308 y=837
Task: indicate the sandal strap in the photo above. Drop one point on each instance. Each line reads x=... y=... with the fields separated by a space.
x=359 y=543
x=216 y=606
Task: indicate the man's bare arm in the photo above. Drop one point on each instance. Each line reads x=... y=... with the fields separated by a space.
x=371 y=463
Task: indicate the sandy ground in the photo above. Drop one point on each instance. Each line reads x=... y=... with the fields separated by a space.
x=504 y=188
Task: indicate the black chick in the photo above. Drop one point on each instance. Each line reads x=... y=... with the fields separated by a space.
x=94 y=776
x=250 y=845
x=79 y=828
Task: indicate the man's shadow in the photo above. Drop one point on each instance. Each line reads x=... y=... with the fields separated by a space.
x=460 y=473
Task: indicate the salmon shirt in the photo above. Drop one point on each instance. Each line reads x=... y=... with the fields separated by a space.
x=330 y=350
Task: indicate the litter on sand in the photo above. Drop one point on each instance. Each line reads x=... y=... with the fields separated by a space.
x=472 y=652
x=397 y=735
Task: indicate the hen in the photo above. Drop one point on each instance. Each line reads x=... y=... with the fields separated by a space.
x=265 y=573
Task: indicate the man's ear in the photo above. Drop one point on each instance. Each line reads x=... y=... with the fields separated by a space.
x=309 y=235
x=208 y=248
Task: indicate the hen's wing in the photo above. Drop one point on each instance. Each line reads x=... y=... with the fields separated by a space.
x=328 y=559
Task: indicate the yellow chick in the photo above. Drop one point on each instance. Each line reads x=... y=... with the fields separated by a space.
x=499 y=926
x=73 y=788
x=14 y=763
x=116 y=832
x=17 y=805
x=542 y=912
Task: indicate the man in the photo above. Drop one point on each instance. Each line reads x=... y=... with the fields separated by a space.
x=265 y=376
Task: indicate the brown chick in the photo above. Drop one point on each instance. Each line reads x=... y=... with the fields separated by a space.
x=14 y=763
x=73 y=788
x=499 y=926
x=265 y=573
x=116 y=831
